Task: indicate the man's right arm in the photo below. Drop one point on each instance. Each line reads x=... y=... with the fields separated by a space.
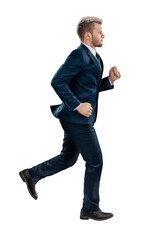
x=60 y=82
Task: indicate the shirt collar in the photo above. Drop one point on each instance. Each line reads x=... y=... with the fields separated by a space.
x=91 y=49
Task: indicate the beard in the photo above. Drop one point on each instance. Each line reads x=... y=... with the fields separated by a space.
x=99 y=45
x=96 y=43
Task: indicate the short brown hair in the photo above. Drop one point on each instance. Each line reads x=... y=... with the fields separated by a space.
x=86 y=24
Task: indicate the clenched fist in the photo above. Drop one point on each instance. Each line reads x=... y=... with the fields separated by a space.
x=114 y=74
x=85 y=109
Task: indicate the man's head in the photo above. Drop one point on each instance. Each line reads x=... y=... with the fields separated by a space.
x=89 y=30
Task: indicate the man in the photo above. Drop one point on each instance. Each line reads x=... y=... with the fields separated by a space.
x=78 y=83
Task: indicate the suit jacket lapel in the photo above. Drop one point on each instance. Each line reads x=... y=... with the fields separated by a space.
x=99 y=70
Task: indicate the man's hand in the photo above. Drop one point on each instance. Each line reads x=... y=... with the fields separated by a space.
x=85 y=109
x=114 y=74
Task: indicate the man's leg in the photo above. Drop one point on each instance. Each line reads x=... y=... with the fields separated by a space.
x=65 y=159
x=86 y=141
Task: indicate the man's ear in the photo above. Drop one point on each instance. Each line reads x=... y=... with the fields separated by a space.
x=87 y=35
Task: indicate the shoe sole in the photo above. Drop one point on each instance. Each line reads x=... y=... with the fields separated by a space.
x=25 y=180
x=87 y=218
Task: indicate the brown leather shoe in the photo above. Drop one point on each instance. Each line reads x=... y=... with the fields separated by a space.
x=26 y=177
x=95 y=215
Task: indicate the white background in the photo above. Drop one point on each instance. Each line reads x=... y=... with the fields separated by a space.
x=36 y=37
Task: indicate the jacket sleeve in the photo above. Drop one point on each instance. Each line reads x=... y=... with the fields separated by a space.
x=60 y=81
x=105 y=84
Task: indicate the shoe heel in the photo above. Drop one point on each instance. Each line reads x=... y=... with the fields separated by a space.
x=21 y=175
x=84 y=218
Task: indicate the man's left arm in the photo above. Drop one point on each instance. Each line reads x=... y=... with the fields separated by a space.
x=108 y=82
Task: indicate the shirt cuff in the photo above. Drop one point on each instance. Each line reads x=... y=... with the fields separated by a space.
x=77 y=107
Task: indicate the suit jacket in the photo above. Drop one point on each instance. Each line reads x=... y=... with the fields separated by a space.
x=79 y=80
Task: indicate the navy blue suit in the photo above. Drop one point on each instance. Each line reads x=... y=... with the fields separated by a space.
x=78 y=80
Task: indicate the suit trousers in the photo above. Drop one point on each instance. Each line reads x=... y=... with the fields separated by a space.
x=78 y=139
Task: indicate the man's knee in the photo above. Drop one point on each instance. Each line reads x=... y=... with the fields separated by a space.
x=96 y=163
x=73 y=160
x=70 y=159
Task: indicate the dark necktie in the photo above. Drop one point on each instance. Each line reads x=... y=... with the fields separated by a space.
x=98 y=59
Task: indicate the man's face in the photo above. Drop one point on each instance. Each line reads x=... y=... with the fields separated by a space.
x=97 y=35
